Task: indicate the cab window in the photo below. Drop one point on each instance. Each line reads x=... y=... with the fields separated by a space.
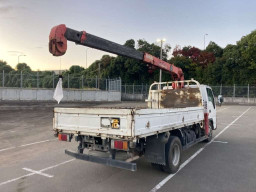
x=210 y=96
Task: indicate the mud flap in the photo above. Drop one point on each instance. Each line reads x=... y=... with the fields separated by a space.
x=155 y=148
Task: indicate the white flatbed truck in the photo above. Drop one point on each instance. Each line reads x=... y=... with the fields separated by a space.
x=179 y=114
x=160 y=134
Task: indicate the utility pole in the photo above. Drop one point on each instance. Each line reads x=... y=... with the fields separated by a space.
x=86 y=56
x=99 y=77
x=204 y=39
x=3 y=79
x=161 y=57
x=19 y=58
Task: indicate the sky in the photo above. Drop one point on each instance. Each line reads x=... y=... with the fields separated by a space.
x=25 y=26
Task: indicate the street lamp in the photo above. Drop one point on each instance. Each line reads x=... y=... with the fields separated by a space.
x=204 y=39
x=19 y=58
x=161 y=56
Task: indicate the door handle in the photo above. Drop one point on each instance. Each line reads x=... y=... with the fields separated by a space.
x=210 y=111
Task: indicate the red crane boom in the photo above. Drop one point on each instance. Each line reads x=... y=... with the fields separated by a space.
x=58 y=45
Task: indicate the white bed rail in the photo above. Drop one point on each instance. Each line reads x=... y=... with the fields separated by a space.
x=156 y=90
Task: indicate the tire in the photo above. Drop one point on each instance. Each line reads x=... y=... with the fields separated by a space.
x=80 y=149
x=173 y=155
x=210 y=133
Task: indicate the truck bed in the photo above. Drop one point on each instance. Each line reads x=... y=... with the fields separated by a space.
x=134 y=122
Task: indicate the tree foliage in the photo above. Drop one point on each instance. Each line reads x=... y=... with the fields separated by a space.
x=5 y=67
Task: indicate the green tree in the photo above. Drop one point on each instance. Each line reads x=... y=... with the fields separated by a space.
x=215 y=49
x=23 y=67
x=5 y=67
x=75 y=69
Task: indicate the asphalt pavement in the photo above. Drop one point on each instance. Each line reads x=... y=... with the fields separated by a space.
x=32 y=159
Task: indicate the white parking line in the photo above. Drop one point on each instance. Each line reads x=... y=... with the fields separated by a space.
x=7 y=149
x=30 y=174
x=225 y=142
x=33 y=143
x=222 y=109
x=165 y=180
x=27 y=145
x=37 y=172
x=236 y=124
x=15 y=179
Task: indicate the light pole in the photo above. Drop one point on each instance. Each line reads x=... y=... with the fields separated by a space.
x=161 y=56
x=99 y=77
x=19 y=58
x=204 y=39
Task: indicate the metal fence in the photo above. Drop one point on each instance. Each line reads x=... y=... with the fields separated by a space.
x=50 y=80
x=227 y=91
x=135 y=89
x=235 y=91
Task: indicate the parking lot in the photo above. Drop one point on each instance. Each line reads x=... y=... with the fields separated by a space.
x=32 y=159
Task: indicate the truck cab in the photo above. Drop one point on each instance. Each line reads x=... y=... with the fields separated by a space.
x=209 y=104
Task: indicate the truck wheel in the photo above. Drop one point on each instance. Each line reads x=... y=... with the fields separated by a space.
x=80 y=148
x=173 y=155
x=210 y=133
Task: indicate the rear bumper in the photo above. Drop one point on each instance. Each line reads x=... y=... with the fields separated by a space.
x=105 y=161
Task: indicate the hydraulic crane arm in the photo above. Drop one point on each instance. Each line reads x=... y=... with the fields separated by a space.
x=58 y=45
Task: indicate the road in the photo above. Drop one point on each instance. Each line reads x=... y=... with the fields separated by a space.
x=31 y=159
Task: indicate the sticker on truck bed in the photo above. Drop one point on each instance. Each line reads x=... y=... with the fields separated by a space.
x=110 y=122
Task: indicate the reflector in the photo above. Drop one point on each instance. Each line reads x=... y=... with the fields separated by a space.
x=125 y=145
x=118 y=145
x=63 y=137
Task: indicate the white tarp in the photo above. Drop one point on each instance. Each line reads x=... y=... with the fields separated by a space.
x=58 y=93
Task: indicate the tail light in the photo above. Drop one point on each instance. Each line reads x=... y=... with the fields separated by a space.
x=119 y=145
x=63 y=137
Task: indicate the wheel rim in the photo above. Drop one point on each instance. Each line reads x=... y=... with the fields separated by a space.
x=210 y=131
x=175 y=155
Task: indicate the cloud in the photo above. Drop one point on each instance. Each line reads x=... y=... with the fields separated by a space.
x=5 y=9
x=14 y=53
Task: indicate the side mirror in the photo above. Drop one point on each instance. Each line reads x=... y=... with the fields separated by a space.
x=220 y=98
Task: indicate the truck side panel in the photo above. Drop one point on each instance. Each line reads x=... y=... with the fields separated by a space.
x=151 y=121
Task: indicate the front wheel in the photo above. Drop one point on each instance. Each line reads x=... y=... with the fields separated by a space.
x=210 y=132
x=173 y=155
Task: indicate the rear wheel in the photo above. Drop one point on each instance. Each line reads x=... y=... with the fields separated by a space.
x=80 y=149
x=173 y=155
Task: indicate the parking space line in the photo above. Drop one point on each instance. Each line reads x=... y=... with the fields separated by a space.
x=225 y=142
x=25 y=145
x=33 y=143
x=45 y=169
x=165 y=180
x=30 y=174
x=222 y=109
x=228 y=123
x=7 y=149
x=37 y=172
x=15 y=179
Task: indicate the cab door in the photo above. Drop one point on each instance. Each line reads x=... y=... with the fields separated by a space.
x=211 y=106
